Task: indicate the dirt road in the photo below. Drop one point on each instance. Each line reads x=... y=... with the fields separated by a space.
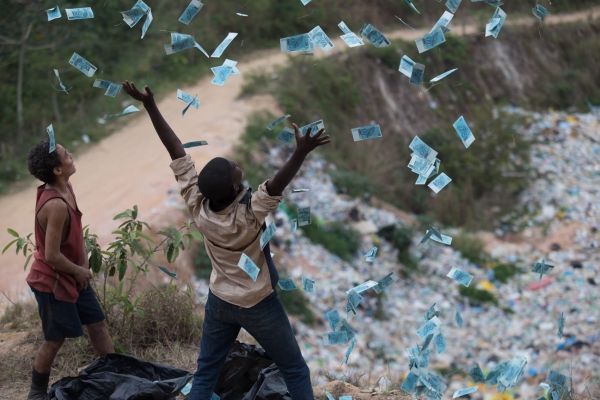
x=131 y=167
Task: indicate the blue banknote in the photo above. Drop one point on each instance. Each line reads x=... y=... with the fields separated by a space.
x=417 y=74
x=190 y=12
x=464 y=132
x=440 y=182
x=320 y=39
x=297 y=44
x=431 y=40
x=367 y=132
x=287 y=285
x=51 y=138
x=82 y=65
x=223 y=45
x=495 y=24
x=79 y=13
x=53 y=13
x=374 y=36
x=248 y=266
x=460 y=276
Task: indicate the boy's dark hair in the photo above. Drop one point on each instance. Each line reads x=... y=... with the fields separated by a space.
x=41 y=163
x=215 y=181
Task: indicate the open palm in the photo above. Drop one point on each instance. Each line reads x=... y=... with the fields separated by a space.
x=131 y=90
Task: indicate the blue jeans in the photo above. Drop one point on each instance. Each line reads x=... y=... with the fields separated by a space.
x=267 y=322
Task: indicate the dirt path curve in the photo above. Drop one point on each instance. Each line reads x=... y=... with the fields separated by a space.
x=131 y=167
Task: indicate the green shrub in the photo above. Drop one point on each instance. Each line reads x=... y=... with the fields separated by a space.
x=336 y=237
x=503 y=272
x=352 y=184
x=296 y=303
x=471 y=248
x=477 y=296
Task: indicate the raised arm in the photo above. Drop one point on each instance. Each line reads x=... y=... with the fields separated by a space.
x=165 y=133
x=304 y=145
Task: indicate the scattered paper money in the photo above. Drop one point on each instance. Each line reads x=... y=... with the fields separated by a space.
x=561 y=325
x=320 y=39
x=181 y=42
x=333 y=318
x=304 y=216
x=300 y=190
x=430 y=327
x=541 y=268
x=493 y=27
x=134 y=15
x=53 y=13
x=147 y=23
x=371 y=254
x=79 y=13
x=460 y=276
x=82 y=65
x=432 y=311
x=443 y=22
x=188 y=99
x=128 y=110
x=458 y=319
x=540 y=12
x=313 y=127
x=453 y=5
x=409 y=384
x=190 y=12
x=440 y=182
x=417 y=74
x=476 y=373
x=297 y=44
x=558 y=385
x=420 y=148
x=367 y=132
x=221 y=74
x=327 y=394
x=464 y=392
x=443 y=75
x=308 y=285
x=363 y=287
x=223 y=45
x=267 y=235
x=440 y=343
x=51 y=138
x=241 y=14
x=406 y=66
x=384 y=282
x=347 y=354
x=339 y=337
x=286 y=136
x=277 y=121
x=431 y=40
x=353 y=300
x=287 y=285
x=464 y=132
x=412 y=6
x=248 y=266
x=374 y=36
x=61 y=85
x=305 y=2
x=196 y=143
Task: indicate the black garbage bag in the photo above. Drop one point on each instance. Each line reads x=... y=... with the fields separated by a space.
x=241 y=372
x=269 y=386
x=121 y=377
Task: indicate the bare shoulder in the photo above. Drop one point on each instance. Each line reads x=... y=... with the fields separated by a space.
x=56 y=208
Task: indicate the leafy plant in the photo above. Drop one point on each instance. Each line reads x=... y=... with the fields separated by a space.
x=336 y=237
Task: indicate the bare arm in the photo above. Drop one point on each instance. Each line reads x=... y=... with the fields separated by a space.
x=168 y=138
x=57 y=213
x=304 y=145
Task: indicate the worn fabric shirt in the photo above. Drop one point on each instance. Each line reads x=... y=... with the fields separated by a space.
x=227 y=234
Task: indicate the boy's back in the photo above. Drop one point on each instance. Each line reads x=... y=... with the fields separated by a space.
x=228 y=233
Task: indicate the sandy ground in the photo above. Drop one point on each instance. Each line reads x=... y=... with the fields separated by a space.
x=131 y=166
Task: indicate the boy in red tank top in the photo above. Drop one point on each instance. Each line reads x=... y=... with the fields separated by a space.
x=60 y=275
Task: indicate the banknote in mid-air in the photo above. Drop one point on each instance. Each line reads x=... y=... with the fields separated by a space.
x=287 y=285
x=297 y=44
x=374 y=36
x=313 y=127
x=223 y=45
x=417 y=74
x=460 y=276
x=190 y=12
x=82 y=65
x=248 y=266
x=431 y=40
x=79 y=13
x=367 y=132
x=493 y=27
x=464 y=132
x=277 y=121
x=51 y=138
x=267 y=235
x=440 y=182
x=53 y=13
x=320 y=39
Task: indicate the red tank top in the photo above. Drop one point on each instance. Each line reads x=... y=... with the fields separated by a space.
x=42 y=276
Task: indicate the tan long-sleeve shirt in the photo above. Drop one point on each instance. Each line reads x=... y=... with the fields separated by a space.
x=227 y=234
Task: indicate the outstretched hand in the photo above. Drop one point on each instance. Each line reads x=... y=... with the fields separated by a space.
x=307 y=143
x=131 y=90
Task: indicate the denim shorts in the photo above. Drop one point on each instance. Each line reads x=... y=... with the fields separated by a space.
x=65 y=320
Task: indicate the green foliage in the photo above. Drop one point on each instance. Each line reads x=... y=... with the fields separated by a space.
x=400 y=236
x=202 y=263
x=127 y=257
x=352 y=184
x=296 y=303
x=471 y=248
x=336 y=237
x=503 y=272
x=477 y=296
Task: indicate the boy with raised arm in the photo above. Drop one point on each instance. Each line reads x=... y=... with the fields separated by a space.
x=231 y=219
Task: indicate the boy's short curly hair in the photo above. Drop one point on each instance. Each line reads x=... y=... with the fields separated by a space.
x=41 y=163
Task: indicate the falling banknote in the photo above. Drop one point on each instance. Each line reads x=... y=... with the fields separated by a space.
x=313 y=127
x=406 y=66
x=82 y=65
x=460 y=276
x=277 y=121
x=442 y=75
x=453 y=5
x=320 y=39
x=190 y=12
x=53 y=13
x=79 y=13
x=286 y=136
x=196 y=143
x=541 y=268
x=188 y=99
x=464 y=132
x=223 y=45
x=297 y=44
x=367 y=132
x=374 y=36
x=51 y=138
x=493 y=27
x=248 y=266
x=308 y=285
x=417 y=74
x=371 y=254
x=464 y=392
x=267 y=235
x=61 y=85
x=440 y=182
x=431 y=40
x=287 y=285
x=304 y=216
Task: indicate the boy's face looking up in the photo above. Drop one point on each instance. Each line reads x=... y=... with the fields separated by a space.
x=67 y=166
